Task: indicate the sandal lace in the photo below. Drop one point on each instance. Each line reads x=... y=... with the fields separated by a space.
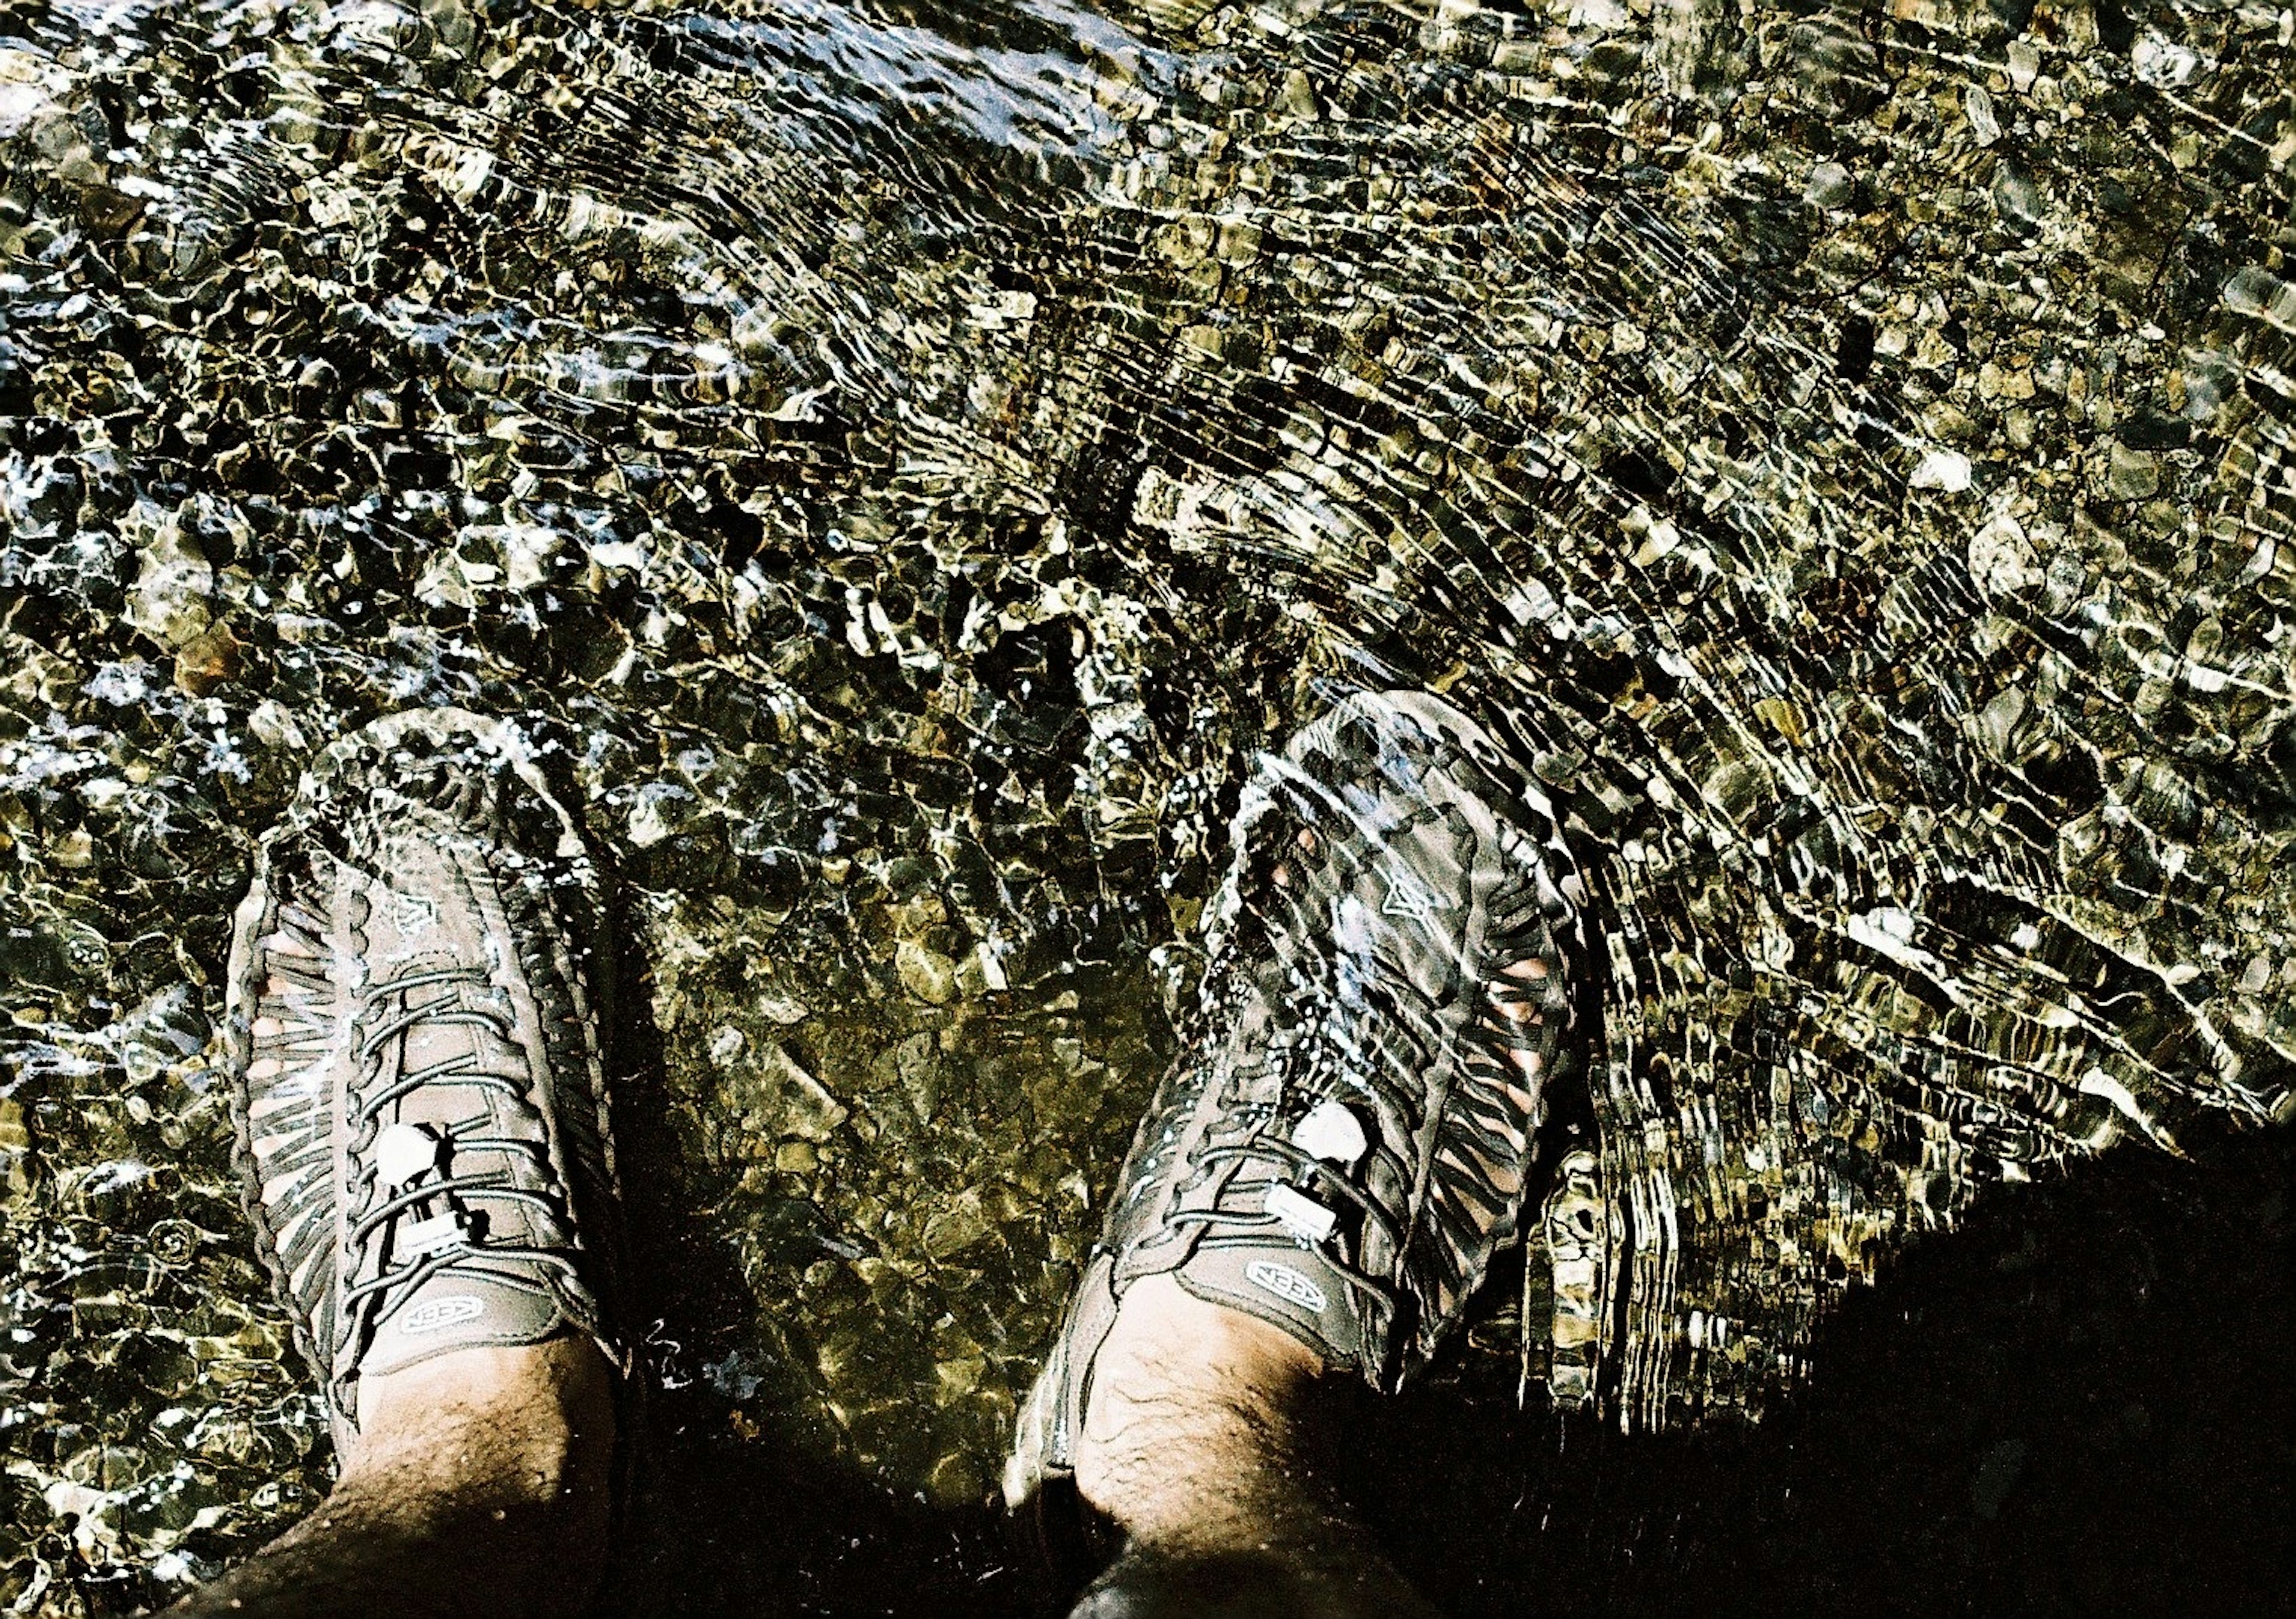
x=467 y=998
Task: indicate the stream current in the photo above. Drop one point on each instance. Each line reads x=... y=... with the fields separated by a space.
x=912 y=457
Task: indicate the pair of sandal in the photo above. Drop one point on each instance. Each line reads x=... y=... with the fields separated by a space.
x=417 y=988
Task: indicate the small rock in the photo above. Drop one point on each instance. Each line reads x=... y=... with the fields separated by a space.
x=15 y=1135
x=955 y=1481
x=2134 y=474
x=778 y=1006
x=957 y=1226
x=981 y=972
x=809 y=1110
x=274 y=727
x=208 y=659
x=1977 y=107
x=915 y=1061
x=1296 y=99
x=2002 y=561
x=169 y=601
x=1947 y=470
x=661 y=809
x=1830 y=186
x=31 y=89
x=2018 y=196
x=926 y=974
x=2161 y=62
x=953 y=1379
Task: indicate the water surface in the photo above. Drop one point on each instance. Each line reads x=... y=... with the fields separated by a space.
x=911 y=457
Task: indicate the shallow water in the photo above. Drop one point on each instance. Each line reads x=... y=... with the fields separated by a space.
x=912 y=456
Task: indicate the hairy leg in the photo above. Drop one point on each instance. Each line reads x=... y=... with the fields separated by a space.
x=1199 y=1443
x=478 y=1484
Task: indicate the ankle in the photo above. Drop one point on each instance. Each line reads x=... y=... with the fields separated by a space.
x=526 y=1427
x=1186 y=1392
x=479 y=1484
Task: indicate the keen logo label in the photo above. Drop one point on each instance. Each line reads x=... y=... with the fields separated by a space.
x=435 y=1314
x=1286 y=1283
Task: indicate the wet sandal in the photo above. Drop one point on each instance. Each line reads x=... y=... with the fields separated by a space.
x=1345 y=1139
x=417 y=1082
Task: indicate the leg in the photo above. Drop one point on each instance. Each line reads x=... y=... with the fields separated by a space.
x=1200 y=1445
x=478 y=1485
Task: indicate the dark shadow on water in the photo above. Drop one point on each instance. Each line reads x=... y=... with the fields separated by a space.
x=732 y=1529
x=2078 y=1403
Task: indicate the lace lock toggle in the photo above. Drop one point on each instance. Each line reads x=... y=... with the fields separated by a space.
x=1308 y=1221
x=1331 y=1132
x=435 y=1235
x=405 y=1153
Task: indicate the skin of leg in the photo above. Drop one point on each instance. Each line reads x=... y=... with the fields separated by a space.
x=1199 y=1443
x=479 y=1484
